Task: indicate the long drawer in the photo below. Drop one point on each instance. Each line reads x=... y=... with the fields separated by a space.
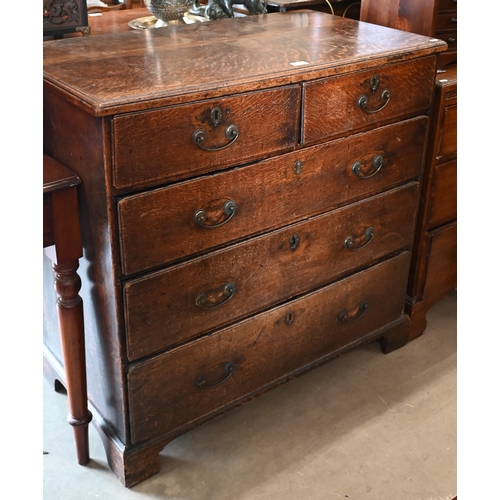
x=187 y=383
x=178 y=142
x=182 y=302
x=342 y=104
x=170 y=224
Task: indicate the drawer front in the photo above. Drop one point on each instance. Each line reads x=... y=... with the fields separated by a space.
x=448 y=139
x=447 y=5
x=339 y=105
x=195 y=380
x=159 y=227
x=443 y=206
x=446 y=21
x=451 y=38
x=442 y=262
x=181 y=141
x=172 y=306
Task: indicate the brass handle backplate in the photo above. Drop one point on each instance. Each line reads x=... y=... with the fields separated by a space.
x=363 y=99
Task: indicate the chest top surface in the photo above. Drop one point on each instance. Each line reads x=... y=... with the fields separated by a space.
x=144 y=69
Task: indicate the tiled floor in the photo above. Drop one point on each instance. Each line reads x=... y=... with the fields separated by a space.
x=366 y=426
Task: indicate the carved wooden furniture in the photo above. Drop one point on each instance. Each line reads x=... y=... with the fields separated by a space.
x=427 y=17
x=249 y=195
x=64 y=16
x=434 y=261
x=63 y=245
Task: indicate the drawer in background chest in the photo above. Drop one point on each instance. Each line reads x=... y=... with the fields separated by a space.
x=342 y=104
x=185 y=140
x=194 y=380
x=185 y=301
x=170 y=224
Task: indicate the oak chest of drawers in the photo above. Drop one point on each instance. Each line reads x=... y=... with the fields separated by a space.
x=249 y=196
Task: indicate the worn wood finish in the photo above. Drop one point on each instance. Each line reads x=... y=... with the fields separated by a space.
x=263 y=349
x=328 y=103
x=182 y=63
x=63 y=244
x=138 y=229
x=264 y=271
x=434 y=262
x=267 y=122
x=427 y=17
x=157 y=227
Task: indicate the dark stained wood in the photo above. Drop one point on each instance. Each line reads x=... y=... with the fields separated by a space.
x=434 y=263
x=436 y=18
x=265 y=271
x=63 y=244
x=140 y=240
x=410 y=85
x=157 y=227
x=407 y=15
x=263 y=349
x=182 y=63
x=267 y=122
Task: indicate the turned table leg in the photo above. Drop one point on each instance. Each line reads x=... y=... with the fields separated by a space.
x=63 y=245
x=70 y=312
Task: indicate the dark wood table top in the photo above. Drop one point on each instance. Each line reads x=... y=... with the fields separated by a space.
x=180 y=63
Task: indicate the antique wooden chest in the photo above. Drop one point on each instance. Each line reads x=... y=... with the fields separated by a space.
x=249 y=196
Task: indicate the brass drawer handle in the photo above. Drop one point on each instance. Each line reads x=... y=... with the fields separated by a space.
x=453 y=20
x=227 y=293
x=232 y=133
x=229 y=208
x=377 y=163
x=363 y=102
x=361 y=309
x=228 y=370
x=349 y=241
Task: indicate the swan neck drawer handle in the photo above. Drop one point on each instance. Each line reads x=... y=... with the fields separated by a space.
x=229 y=208
x=232 y=133
x=344 y=316
x=227 y=293
x=228 y=370
x=349 y=241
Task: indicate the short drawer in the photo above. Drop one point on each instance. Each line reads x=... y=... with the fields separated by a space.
x=448 y=133
x=171 y=306
x=443 y=206
x=441 y=273
x=194 y=380
x=173 y=223
x=446 y=21
x=338 y=105
x=181 y=141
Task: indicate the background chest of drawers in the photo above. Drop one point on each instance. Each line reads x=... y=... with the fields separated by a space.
x=249 y=197
x=434 y=261
x=427 y=17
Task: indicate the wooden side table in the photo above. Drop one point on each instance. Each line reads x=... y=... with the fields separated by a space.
x=63 y=245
